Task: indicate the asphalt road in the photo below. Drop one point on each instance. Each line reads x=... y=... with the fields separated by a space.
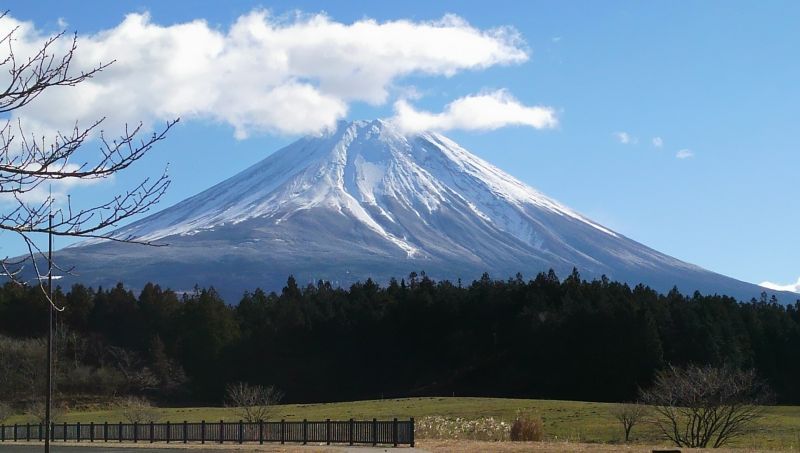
x=195 y=448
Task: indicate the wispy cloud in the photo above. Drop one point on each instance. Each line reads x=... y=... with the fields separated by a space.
x=626 y=138
x=684 y=154
x=263 y=73
x=793 y=287
x=484 y=111
x=658 y=142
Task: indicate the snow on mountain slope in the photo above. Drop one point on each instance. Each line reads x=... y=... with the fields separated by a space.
x=366 y=200
x=354 y=170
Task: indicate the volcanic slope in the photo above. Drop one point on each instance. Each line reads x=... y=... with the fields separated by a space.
x=365 y=201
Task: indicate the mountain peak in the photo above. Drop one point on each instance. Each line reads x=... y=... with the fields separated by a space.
x=368 y=170
x=367 y=200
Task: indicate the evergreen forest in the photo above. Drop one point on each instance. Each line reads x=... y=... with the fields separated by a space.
x=540 y=338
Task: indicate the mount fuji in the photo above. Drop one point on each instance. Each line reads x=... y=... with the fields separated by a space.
x=366 y=200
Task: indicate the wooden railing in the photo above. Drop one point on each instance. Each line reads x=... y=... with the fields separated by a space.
x=376 y=432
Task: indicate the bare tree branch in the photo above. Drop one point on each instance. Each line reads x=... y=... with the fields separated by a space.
x=696 y=406
x=253 y=403
x=28 y=162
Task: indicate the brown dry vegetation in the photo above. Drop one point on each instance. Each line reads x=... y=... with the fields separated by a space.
x=466 y=446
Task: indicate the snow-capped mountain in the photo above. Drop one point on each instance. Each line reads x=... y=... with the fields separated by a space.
x=364 y=201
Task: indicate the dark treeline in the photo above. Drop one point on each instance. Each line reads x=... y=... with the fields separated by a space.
x=541 y=338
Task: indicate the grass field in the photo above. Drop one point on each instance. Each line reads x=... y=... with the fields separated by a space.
x=564 y=421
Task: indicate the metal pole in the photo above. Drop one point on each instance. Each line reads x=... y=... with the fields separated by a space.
x=49 y=397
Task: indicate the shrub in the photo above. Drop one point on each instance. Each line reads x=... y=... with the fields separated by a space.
x=527 y=428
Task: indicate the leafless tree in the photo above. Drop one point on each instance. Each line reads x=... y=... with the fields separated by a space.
x=138 y=377
x=5 y=411
x=28 y=162
x=629 y=415
x=253 y=403
x=21 y=372
x=36 y=411
x=698 y=406
x=138 y=410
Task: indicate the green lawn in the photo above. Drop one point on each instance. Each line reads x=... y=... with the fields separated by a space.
x=563 y=420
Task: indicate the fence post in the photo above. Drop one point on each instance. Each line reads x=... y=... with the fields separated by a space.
x=65 y=431
x=119 y=433
x=412 y=432
x=185 y=436
x=203 y=432
x=105 y=431
x=328 y=431
x=374 y=432
x=15 y=432
x=241 y=432
x=91 y=431
x=135 y=432
x=169 y=434
x=78 y=431
x=283 y=431
x=394 y=431
x=351 y=431
x=152 y=432
x=261 y=431
x=28 y=431
x=221 y=431
x=305 y=431
x=52 y=433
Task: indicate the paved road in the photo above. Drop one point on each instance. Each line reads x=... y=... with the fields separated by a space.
x=97 y=448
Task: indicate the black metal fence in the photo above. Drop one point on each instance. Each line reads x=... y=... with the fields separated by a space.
x=393 y=432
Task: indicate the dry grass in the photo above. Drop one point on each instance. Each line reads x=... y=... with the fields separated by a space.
x=575 y=422
x=466 y=446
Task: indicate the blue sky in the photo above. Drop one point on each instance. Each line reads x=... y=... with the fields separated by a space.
x=631 y=85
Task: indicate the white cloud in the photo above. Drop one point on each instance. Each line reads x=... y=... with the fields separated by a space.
x=658 y=142
x=684 y=154
x=263 y=73
x=625 y=138
x=485 y=111
x=793 y=287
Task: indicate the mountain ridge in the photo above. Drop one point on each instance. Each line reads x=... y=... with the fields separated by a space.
x=366 y=200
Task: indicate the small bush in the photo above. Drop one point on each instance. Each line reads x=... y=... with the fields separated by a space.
x=527 y=428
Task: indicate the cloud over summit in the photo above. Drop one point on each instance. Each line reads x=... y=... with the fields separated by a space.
x=484 y=111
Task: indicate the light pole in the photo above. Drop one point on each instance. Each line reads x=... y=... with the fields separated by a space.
x=49 y=397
